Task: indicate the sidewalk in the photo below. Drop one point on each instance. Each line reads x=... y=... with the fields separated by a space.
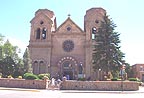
x=141 y=90
x=20 y=89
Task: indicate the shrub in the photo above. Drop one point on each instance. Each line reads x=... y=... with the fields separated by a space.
x=133 y=79
x=41 y=76
x=81 y=79
x=30 y=76
x=19 y=77
x=10 y=76
x=114 y=79
x=0 y=75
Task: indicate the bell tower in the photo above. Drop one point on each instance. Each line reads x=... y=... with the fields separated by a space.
x=40 y=44
x=42 y=25
x=92 y=21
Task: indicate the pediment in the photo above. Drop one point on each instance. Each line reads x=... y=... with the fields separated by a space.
x=69 y=27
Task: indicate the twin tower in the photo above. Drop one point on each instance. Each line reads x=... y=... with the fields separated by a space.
x=65 y=50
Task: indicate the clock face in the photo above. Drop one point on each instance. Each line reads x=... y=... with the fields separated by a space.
x=68 y=45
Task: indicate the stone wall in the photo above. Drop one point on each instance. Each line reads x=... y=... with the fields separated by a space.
x=22 y=83
x=72 y=84
x=100 y=85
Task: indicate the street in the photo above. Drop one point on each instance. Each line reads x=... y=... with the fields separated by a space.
x=34 y=93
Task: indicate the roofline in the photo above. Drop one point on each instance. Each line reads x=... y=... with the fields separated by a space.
x=72 y=22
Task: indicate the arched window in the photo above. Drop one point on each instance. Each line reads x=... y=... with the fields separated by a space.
x=94 y=30
x=44 y=33
x=35 y=67
x=38 y=33
x=42 y=67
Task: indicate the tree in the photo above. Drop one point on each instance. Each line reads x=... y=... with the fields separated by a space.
x=107 y=55
x=1 y=39
x=27 y=61
x=10 y=61
x=1 y=42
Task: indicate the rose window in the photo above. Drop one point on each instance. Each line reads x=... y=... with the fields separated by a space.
x=68 y=45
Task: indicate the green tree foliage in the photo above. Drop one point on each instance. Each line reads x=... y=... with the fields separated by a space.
x=27 y=61
x=10 y=62
x=10 y=50
x=1 y=43
x=129 y=71
x=1 y=39
x=107 y=54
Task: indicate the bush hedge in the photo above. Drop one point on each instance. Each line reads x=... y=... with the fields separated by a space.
x=81 y=79
x=133 y=79
x=114 y=79
x=41 y=76
x=30 y=76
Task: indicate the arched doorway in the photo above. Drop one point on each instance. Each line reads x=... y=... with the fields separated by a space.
x=68 y=68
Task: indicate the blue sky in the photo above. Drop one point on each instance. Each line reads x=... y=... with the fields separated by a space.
x=15 y=16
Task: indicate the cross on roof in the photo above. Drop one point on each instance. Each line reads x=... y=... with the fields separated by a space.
x=69 y=15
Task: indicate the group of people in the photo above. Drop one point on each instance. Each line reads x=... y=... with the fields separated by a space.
x=55 y=83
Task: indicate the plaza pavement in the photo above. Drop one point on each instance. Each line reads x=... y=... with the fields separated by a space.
x=37 y=93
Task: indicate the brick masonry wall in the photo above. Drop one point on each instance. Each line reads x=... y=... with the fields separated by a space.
x=21 y=83
x=100 y=85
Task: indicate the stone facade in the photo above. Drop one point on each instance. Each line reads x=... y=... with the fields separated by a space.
x=65 y=50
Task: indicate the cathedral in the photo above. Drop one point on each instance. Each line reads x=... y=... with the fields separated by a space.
x=65 y=50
